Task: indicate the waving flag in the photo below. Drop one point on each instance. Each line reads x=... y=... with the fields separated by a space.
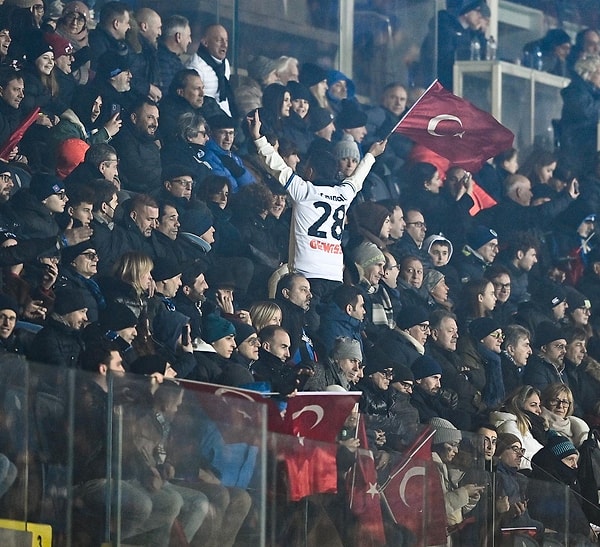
x=454 y=128
x=413 y=493
x=365 y=500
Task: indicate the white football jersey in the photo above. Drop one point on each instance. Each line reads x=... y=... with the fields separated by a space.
x=318 y=215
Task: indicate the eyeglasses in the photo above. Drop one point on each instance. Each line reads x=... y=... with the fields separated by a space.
x=418 y=224
x=406 y=385
x=253 y=342
x=424 y=327
x=560 y=402
x=502 y=286
x=185 y=183
x=91 y=255
x=497 y=335
x=74 y=16
x=518 y=451
x=61 y=195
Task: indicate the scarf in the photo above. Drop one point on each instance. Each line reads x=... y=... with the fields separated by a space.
x=94 y=288
x=493 y=393
x=225 y=91
x=538 y=427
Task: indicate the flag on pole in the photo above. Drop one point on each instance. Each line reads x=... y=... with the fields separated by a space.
x=413 y=493
x=365 y=498
x=454 y=128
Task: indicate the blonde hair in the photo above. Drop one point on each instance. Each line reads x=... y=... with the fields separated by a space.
x=553 y=391
x=130 y=268
x=262 y=313
x=515 y=404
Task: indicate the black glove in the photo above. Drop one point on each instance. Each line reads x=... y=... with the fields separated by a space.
x=449 y=398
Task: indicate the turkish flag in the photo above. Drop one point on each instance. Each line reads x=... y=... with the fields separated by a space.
x=413 y=493
x=454 y=128
x=365 y=498
x=319 y=415
x=314 y=419
x=237 y=411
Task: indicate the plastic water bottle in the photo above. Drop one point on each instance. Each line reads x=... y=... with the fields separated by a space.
x=491 y=49
x=538 y=63
x=475 y=50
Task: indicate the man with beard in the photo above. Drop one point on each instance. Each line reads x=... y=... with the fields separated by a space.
x=8 y=221
x=547 y=365
x=113 y=84
x=136 y=145
x=12 y=92
x=59 y=342
x=428 y=397
x=272 y=363
x=293 y=297
x=190 y=297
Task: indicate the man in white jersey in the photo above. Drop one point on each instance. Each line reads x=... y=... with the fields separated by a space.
x=318 y=213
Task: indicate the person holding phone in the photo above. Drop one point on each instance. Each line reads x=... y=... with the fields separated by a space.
x=459 y=500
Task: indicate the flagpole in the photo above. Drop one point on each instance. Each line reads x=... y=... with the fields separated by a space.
x=355 y=462
x=430 y=433
x=410 y=109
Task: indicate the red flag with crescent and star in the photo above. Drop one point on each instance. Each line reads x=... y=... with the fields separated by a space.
x=365 y=498
x=454 y=128
x=315 y=420
x=413 y=493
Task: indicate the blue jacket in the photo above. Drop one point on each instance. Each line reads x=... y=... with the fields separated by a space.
x=336 y=323
x=214 y=157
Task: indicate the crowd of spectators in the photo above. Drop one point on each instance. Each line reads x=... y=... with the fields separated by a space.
x=158 y=222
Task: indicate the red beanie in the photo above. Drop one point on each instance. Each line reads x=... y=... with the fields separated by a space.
x=69 y=154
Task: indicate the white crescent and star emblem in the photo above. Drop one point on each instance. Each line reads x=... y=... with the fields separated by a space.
x=416 y=471
x=373 y=491
x=434 y=122
x=318 y=410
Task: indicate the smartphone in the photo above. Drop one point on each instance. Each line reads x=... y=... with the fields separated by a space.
x=114 y=109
